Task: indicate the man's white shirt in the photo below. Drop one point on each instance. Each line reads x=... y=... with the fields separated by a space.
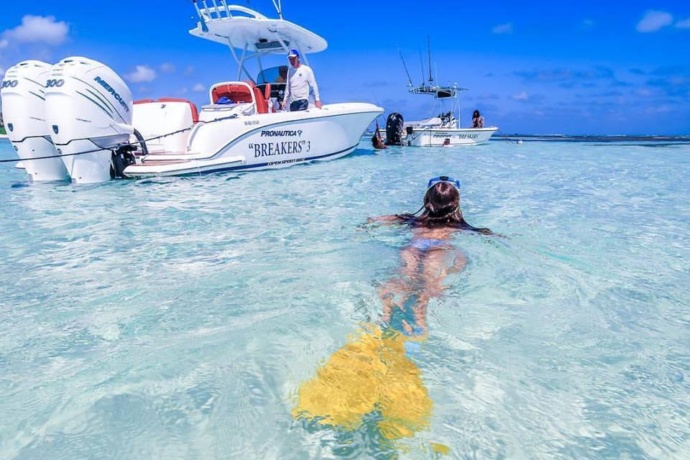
x=298 y=82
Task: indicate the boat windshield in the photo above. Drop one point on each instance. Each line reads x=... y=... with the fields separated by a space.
x=273 y=75
x=276 y=77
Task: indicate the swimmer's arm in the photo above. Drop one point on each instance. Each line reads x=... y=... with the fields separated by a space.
x=391 y=219
x=486 y=231
x=482 y=230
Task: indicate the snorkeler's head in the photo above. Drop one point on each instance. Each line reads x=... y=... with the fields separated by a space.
x=436 y=180
x=442 y=197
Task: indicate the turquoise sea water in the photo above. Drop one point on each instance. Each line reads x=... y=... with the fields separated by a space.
x=177 y=318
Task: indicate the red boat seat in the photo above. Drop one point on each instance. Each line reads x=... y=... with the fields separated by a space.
x=240 y=94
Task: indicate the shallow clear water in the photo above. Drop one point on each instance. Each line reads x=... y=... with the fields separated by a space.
x=178 y=317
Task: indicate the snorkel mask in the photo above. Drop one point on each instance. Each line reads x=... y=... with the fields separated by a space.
x=448 y=179
x=434 y=203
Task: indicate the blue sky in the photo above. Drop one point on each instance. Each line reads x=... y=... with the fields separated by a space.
x=589 y=67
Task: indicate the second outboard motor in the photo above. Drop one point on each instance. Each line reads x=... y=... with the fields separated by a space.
x=394 y=129
x=24 y=113
x=89 y=114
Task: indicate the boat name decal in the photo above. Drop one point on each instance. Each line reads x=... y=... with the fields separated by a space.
x=459 y=136
x=267 y=149
x=282 y=132
x=110 y=89
x=10 y=83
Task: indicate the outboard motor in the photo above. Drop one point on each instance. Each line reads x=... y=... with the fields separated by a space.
x=394 y=129
x=89 y=114
x=24 y=113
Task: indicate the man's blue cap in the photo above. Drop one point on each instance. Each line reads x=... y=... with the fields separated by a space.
x=294 y=53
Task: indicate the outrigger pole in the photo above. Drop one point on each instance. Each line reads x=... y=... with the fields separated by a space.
x=279 y=8
x=428 y=47
x=409 y=79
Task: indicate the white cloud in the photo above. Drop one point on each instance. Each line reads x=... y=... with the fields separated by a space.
x=658 y=109
x=685 y=24
x=3 y=43
x=503 y=29
x=142 y=74
x=654 y=21
x=167 y=67
x=199 y=88
x=38 y=29
x=523 y=96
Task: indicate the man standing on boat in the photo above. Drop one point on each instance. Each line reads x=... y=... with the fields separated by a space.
x=299 y=80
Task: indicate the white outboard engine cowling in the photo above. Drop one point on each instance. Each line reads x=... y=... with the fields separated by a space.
x=89 y=113
x=24 y=114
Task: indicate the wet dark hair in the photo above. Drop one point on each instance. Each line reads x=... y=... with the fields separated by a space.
x=476 y=114
x=442 y=201
x=441 y=209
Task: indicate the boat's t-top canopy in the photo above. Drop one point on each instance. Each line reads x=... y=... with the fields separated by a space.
x=443 y=95
x=250 y=34
x=439 y=92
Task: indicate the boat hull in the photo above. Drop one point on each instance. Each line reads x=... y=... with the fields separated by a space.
x=440 y=137
x=263 y=141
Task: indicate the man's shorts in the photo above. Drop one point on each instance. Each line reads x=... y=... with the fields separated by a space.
x=302 y=104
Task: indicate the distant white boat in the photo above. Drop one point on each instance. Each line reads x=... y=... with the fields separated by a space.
x=438 y=131
x=444 y=129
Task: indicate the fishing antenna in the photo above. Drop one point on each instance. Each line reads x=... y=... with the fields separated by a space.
x=279 y=8
x=409 y=79
x=421 y=63
x=428 y=47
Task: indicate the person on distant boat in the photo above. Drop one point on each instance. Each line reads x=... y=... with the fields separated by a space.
x=282 y=74
x=376 y=139
x=477 y=120
x=300 y=79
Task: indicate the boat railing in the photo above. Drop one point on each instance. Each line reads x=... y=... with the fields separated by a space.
x=210 y=10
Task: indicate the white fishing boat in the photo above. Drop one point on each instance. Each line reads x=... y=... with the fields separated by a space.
x=443 y=129
x=100 y=133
